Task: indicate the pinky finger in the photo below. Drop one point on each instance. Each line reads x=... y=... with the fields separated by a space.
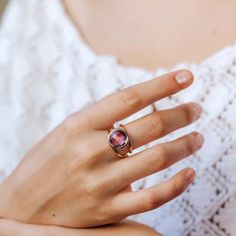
x=130 y=203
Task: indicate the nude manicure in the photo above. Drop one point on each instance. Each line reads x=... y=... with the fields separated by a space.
x=184 y=77
x=189 y=176
x=199 y=139
x=196 y=111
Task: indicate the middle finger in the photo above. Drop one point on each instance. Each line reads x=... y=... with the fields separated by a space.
x=161 y=123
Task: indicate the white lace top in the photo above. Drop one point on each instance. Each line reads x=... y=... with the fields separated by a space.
x=47 y=71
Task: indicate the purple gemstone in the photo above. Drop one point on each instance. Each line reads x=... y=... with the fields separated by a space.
x=118 y=138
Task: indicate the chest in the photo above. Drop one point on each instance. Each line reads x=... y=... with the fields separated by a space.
x=153 y=34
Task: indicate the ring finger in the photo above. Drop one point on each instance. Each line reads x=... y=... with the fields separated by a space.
x=160 y=123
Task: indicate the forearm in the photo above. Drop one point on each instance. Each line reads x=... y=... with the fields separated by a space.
x=13 y=228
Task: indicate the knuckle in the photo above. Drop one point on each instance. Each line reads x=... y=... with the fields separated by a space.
x=158 y=158
x=178 y=187
x=164 y=83
x=75 y=122
x=90 y=187
x=86 y=155
x=150 y=201
x=95 y=184
x=102 y=216
x=70 y=122
x=130 y=97
x=156 y=125
x=163 y=156
x=80 y=157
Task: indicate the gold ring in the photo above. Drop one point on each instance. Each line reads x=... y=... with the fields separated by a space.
x=118 y=139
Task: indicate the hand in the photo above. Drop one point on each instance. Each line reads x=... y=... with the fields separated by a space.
x=13 y=228
x=73 y=178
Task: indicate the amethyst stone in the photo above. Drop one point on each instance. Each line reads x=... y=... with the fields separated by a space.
x=118 y=138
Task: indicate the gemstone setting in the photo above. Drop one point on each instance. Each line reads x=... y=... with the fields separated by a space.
x=118 y=138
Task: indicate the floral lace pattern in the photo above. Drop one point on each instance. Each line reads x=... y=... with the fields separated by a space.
x=47 y=71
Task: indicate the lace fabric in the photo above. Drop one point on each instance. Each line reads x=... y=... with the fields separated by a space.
x=47 y=72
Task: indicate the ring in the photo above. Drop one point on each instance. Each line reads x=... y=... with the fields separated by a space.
x=118 y=139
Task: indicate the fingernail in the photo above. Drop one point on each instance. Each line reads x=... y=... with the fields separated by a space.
x=189 y=176
x=199 y=139
x=196 y=110
x=184 y=77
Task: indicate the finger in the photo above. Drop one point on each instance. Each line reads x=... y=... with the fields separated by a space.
x=156 y=158
x=161 y=123
x=120 y=105
x=152 y=127
x=148 y=199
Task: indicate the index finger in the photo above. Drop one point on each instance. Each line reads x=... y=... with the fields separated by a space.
x=124 y=103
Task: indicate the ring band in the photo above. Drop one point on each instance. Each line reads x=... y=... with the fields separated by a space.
x=118 y=139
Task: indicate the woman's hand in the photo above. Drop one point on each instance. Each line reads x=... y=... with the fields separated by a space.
x=127 y=227
x=73 y=178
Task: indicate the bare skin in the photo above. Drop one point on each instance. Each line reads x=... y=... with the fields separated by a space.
x=154 y=33
x=70 y=186
x=129 y=228
x=141 y=45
